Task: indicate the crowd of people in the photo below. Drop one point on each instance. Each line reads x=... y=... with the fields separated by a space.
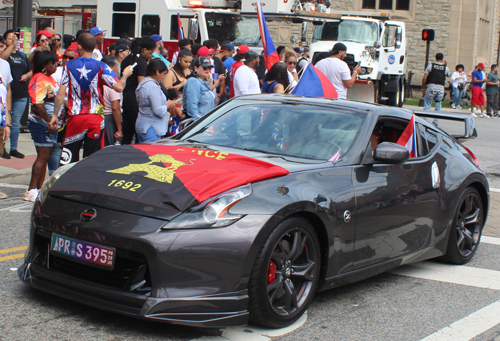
x=134 y=94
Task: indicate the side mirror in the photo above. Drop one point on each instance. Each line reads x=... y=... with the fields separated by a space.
x=392 y=153
x=399 y=35
x=303 y=37
x=193 y=29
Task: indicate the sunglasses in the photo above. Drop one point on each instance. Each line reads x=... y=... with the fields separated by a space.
x=207 y=68
x=57 y=39
x=68 y=57
x=292 y=63
x=44 y=40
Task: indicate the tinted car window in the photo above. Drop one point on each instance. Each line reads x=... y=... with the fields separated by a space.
x=293 y=130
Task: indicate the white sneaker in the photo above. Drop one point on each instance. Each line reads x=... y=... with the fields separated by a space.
x=453 y=105
x=473 y=114
x=31 y=195
x=459 y=108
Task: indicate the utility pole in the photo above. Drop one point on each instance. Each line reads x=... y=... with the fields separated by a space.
x=23 y=13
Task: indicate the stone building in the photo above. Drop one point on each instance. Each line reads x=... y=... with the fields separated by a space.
x=467 y=31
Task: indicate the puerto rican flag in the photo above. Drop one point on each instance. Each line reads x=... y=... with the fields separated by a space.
x=408 y=138
x=179 y=23
x=314 y=83
x=270 y=54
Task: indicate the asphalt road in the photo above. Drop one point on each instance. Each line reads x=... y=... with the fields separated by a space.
x=427 y=300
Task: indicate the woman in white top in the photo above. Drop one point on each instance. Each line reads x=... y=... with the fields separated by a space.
x=458 y=78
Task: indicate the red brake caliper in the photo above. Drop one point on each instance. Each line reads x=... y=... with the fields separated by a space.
x=271 y=272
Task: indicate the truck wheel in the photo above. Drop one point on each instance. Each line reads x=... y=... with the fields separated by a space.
x=402 y=94
x=394 y=98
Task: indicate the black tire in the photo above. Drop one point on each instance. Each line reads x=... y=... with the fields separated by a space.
x=280 y=293
x=466 y=228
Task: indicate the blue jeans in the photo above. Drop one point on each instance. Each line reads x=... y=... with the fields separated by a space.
x=148 y=136
x=457 y=95
x=18 y=107
x=433 y=93
x=55 y=157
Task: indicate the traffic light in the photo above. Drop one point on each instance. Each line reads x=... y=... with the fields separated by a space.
x=428 y=34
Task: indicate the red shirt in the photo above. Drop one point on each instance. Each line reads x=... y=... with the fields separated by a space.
x=234 y=67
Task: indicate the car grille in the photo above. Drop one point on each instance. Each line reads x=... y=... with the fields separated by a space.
x=130 y=273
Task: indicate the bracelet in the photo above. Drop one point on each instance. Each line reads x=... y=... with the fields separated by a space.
x=8 y=125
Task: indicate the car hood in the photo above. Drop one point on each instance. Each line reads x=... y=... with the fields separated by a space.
x=160 y=180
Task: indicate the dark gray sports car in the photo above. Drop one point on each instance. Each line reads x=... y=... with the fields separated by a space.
x=254 y=208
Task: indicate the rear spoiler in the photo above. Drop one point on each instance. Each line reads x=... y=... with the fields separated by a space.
x=470 y=131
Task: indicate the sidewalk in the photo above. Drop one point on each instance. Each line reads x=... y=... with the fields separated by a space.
x=18 y=171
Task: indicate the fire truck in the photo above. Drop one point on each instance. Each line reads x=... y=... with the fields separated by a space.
x=200 y=20
x=373 y=41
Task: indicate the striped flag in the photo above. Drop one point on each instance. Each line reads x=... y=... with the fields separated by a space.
x=408 y=138
x=179 y=23
x=270 y=54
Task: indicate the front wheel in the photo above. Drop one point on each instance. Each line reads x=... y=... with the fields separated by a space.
x=285 y=274
x=466 y=228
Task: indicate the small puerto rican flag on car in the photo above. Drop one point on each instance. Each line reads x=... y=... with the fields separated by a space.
x=408 y=138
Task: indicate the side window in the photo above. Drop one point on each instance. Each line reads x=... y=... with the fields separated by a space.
x=389 y=38
x=422 y=141
x=150 y=25
x=432 y=138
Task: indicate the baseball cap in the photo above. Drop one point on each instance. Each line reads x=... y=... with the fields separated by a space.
x=306 y=49
x=242 y=49
x=156 y=38
x=96 y=30
x=482 y=65
x=204 y=51
x=337 y=48
x=46 y=33
x=202 y=61
x=122 y=41
x=297 y=49
x=249 y=55
x=121 y=48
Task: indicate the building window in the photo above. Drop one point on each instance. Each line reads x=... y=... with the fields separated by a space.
x=123 y=7
x=369 y=4
x=399 y=5
x=150 y=25
x=123 y=23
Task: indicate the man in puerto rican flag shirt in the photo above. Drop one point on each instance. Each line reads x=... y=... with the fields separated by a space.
x=85 y=78
x=240 y=54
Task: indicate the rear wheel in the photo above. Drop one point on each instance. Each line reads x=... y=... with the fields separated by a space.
x=285 y=274
x=466 y=228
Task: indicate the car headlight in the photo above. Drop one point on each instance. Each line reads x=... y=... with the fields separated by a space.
x=52 y=180
x=211 y=213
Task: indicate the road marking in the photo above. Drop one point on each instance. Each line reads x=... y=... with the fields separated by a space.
x=4 y=258
x=12 y=185
x=16 y=208
x=490 y=240
x=456 y=274
x=14 y=249
x=470 y=326
x=253 y=333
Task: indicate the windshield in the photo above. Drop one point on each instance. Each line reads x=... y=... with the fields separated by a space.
x=363 y=32
x=234 y=28
x=294 y=130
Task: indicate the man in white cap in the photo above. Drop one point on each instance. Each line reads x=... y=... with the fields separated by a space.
x=98 y=33
x=337 y=71
x=246 y=81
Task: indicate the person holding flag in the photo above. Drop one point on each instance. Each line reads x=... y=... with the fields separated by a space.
x=314 y=83
x=270 y=54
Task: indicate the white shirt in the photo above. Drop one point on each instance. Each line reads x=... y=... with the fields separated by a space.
x=291 y=79
x=336 y=71
x=246 y=81
x=6 y=78
x=456 y=77
x=97 y=55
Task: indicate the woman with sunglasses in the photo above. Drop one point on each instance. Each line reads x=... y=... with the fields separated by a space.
x=55 y=46
x=198 y=96
x=291 y=63
x=276 y=80
x=42 y=44
x=20 y=68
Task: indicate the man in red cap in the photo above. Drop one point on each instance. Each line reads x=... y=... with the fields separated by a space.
x=477 y=100
x=240 y=54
